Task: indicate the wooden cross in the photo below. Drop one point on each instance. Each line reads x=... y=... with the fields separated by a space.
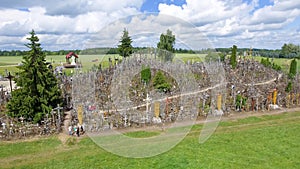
x=10 y=77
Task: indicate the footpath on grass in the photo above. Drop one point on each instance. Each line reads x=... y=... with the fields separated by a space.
x=229 y=117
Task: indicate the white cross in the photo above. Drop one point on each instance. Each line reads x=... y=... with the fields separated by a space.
x=22 y=118
x=3 y=125
x=148 y=100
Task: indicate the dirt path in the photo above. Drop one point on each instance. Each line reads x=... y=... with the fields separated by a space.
x=9 y=66
x=241 y=115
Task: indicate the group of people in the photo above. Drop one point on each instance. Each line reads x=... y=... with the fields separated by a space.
x=76 y=130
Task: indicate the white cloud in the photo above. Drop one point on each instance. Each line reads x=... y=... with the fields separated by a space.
x=61 y=24
x=145 y=30
x=228 y=21
x=63 y=17
x=203 y=12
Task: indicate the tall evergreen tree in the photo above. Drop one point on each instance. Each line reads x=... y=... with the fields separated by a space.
x=166 y=45
x=233 y=61
x=38 y=90
x=293 y=69
x=125 y=48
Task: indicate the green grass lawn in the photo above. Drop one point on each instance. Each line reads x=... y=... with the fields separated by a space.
x=253 y=142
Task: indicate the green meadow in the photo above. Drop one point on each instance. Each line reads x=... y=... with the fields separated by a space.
x=254 y=142
x=10 y=63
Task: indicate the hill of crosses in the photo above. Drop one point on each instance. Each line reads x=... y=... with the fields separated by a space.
x=122 y=95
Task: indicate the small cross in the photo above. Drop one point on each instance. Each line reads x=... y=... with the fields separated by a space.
x=3 y=125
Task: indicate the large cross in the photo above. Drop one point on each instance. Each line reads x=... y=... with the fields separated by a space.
x=58 y=108
x=10 y=77
x=148 y=100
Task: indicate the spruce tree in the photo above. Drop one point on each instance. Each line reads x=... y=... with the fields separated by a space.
x=233 y=61
x=293 y=69
x=125 y=48
x=38 y=90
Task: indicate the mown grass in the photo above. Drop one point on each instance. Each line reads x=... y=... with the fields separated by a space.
x=254 y=142
x=142 y=134
x=41 y=145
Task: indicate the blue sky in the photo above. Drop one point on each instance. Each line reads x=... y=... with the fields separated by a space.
x=78 y=24
x=152 y=6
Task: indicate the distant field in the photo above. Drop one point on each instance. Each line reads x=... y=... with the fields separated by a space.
x=88 y=61
x=254 y=142
x=192 y=57
x=283 y=62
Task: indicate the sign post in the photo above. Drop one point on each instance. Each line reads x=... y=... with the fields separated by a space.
x=79 y=114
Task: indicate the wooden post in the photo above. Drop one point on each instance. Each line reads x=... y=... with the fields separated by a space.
x=288 y=101
x=274 y=96
x=219 y=102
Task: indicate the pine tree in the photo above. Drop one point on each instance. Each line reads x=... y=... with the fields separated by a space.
x=125 y=48
x=38 y=90
x=233 y=61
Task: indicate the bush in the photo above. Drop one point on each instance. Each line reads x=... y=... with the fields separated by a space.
x=289 y=87
x=146 y=75
x=160 y=82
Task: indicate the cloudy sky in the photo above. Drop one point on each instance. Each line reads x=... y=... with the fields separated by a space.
x=79 y=24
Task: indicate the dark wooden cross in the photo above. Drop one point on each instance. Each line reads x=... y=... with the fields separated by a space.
x=10 y=77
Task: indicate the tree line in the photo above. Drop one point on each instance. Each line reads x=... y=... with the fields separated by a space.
x=287 y=51
x=47 y=52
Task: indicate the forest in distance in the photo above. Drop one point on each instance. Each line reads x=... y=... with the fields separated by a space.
x=286 y=51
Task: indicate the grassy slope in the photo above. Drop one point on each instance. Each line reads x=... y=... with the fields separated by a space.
x=283 y=62
x=254 y=142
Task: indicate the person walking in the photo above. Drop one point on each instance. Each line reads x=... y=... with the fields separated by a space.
x=70 y=130
x=77 y=131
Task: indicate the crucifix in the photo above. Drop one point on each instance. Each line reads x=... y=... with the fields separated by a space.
x=58 y=108
x=10 y=77
x=148 y=100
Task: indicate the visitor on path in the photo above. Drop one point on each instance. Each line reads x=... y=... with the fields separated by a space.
x=70 y=130
x=77 y=131
x=81 y=129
